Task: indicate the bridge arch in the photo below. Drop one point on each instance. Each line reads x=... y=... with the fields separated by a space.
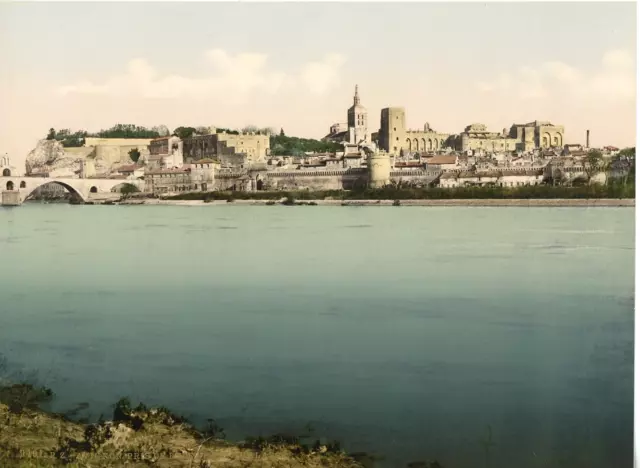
x=10 y=185
x=93 y=189
x=72 y=190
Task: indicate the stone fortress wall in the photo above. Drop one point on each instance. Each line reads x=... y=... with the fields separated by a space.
x=256 y=146
x=114 y=151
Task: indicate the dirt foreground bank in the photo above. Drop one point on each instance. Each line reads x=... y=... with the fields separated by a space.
x=38 y=439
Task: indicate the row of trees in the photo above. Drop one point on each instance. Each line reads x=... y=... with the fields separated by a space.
x=71 y=139
x=68 y=138
x=77 y=138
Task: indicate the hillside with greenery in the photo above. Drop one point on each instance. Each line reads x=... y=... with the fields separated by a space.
x=282 y=145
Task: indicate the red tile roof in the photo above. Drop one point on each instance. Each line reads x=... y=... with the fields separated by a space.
x=442 y=159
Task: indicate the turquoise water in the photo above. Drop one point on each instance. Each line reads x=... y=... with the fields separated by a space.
x=412 y=332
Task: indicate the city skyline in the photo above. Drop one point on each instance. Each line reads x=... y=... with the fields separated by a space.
x=295 y=66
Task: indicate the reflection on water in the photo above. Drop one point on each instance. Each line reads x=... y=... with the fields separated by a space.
x=478 y=336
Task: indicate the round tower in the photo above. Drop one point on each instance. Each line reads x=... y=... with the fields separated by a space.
x=379 y=169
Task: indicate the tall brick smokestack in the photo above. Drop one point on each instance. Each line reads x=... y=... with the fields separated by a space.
x=587 y=138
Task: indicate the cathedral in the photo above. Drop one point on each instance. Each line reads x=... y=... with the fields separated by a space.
x=356 y=130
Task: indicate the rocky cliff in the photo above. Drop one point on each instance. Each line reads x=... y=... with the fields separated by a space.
x=51 y=157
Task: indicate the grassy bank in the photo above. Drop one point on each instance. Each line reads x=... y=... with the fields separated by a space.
x=609 y=191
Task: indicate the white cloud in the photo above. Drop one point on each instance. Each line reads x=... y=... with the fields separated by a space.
x=562 y=72
x=618 y=59
x=504 y=81
x=233 y=78
x=614 y=80
x=530 y=84
x=322 y=76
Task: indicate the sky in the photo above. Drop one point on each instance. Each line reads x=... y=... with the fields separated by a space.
x=295 y=65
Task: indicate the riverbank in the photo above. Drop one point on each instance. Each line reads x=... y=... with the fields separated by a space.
x=570 y=202
x=30 y=437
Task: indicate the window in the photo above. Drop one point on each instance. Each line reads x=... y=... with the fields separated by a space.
x=396 y=138
x=394 y=129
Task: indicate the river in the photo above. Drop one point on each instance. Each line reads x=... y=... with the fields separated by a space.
x=493 y=337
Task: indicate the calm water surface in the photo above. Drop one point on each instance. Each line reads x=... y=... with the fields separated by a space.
x=494 y=337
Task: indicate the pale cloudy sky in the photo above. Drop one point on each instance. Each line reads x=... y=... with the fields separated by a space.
x=294 y=65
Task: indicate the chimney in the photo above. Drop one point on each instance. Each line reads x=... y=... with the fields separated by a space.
x=587 y=139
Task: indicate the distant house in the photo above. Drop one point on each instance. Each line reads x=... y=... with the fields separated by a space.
x=133 y=171
x=506 y=178
x=442 y=162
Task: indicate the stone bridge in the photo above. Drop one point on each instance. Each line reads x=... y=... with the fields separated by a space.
x=15 y=190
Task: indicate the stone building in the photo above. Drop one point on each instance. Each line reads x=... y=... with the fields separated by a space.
x=477 y=139
x=131 y=171
x=254 y=146
x=395 y=138
x=537 y=134
x=203 y=174
x=442 y=162
x=168 y=180
x=7 y=169
x=338 y=133
x=165 y=153
x=356 y=130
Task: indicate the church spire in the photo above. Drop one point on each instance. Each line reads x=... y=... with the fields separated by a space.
x=356 y=97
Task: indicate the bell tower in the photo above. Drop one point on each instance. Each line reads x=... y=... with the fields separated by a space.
x=357 y=121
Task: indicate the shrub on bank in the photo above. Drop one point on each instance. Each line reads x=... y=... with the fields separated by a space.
x=611 y=190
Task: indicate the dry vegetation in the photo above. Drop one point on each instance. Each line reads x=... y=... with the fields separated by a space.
x=30 y=437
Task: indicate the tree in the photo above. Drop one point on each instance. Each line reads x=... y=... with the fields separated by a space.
x=281 y=132
x=161 y=130
x=128 y=189
x=134 y=154
x=625 y=161
x=201 y=130
x=558 y=176
x=52 y=134
x=250 y=129
x=184 y=132
x=71 y=139
x=591 y=163
x=627 y=153
x=127 y=131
